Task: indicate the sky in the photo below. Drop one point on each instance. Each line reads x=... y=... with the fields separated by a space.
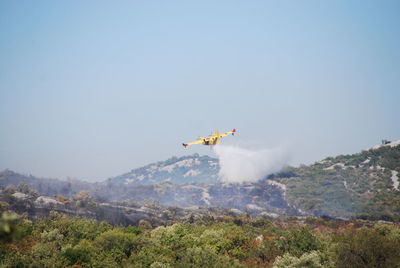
x=93 y=89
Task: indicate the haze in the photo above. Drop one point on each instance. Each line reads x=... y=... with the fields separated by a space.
x=93 y=89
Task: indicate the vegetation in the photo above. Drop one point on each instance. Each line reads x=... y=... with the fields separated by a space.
x=62 y=241
x=357 y=185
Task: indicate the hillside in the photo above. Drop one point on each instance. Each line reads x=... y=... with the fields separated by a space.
x=32 y=205
x=363 y=184
x=186 y=169
x=261 y=198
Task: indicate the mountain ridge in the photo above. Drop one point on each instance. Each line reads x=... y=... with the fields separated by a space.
x=180 y=170
x=365 y=184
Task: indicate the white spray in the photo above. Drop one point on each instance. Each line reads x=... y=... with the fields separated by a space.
x=239 y=165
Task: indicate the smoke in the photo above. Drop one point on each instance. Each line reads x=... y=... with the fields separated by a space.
x=239 y=165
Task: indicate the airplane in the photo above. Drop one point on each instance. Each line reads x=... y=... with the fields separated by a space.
x=213 y=139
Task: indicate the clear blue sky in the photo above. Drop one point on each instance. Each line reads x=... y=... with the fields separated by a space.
x=92 y=89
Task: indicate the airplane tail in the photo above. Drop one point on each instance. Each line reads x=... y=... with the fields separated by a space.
x=233 y=131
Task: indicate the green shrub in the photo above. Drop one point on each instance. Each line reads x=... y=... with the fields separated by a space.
x=311 y=259
x=8 y=223
x=299 y=241
x=367 y=247
x=52 y=236
x=133 y=230
x=76 y=255
x=117 y=242
x=207 y=258
x=46 y=255
x=153 y=252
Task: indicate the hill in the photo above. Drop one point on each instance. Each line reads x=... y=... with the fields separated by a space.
x=363 y=185
x=261 y=198
x=186 y=169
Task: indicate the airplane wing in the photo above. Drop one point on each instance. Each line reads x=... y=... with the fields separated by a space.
x=191 y=143
x=227 y=133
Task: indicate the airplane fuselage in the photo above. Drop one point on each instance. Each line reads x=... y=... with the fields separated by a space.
x=211 y=141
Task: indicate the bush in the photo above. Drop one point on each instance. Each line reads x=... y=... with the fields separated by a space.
x=153 y=252
x=375 y=247
x=52 y=236
x=46 y=255
x=133 y=230
x=78 y=229
x=175 y=236
x=76 y=255
x=8 y=223
x=310 y=260
x=118 y=242
x=299 y=241
x=206 y=257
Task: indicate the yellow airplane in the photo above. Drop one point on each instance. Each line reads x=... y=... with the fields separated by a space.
x=213 y=139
